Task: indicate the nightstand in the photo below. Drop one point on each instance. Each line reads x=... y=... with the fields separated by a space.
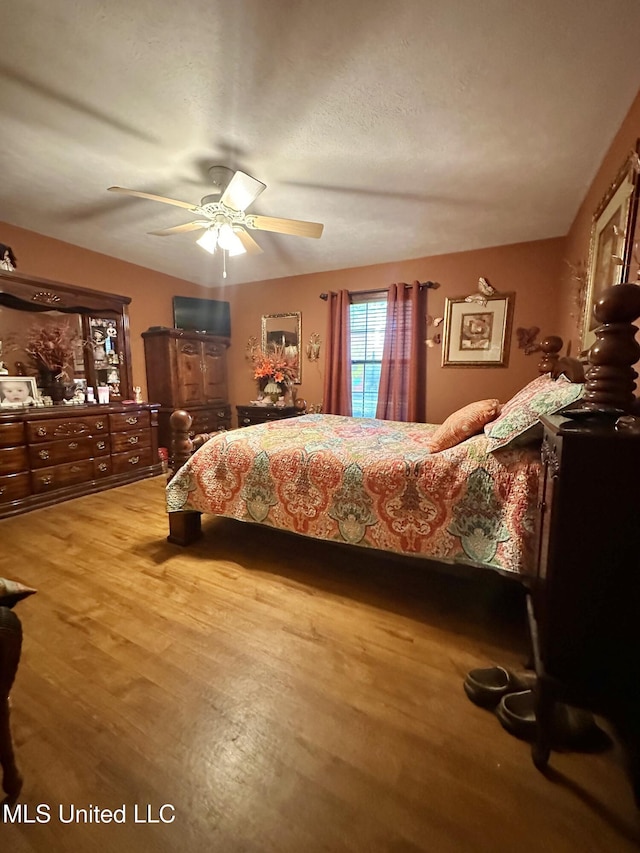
x=249 y=415
x=583 y=607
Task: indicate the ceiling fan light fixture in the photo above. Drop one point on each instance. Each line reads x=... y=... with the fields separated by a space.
x=209 y=240
x=229 y=240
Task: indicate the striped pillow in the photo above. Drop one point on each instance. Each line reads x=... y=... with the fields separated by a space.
x=464 y=423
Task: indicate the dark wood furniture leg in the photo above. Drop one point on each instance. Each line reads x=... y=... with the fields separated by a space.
x=10 y=648
x=184 y=527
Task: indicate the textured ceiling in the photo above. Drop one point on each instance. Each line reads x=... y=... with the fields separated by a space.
x=407 y=128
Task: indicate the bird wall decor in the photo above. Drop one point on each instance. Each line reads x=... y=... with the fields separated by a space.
x=485 y=290
x=527 y=339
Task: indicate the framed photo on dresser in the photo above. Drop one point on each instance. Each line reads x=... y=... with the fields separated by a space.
x=17 y=392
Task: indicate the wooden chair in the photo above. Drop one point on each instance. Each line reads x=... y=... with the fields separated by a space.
x=10 y=648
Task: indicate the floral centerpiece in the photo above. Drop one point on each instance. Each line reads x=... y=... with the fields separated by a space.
x=275 y=370
x=50 y=348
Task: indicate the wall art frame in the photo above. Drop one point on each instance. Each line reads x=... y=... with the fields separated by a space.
x=612 y=238
x=478 y=334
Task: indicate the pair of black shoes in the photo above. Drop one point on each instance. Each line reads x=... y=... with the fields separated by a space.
x=511 y=695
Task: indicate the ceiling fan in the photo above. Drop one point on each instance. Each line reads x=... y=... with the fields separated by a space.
x=222 y=217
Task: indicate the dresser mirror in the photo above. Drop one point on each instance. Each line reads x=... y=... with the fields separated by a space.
x=283 y=330
x=91 y=329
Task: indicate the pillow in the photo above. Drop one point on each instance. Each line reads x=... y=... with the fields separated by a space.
x=462 y=424
x=11 y=592
x=519 y=419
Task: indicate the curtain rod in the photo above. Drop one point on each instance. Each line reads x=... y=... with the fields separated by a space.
x=428 y=284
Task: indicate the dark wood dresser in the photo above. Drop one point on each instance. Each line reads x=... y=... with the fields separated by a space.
x=55 y=453
x=187 y=370
x=584 y=606
x=249 y=415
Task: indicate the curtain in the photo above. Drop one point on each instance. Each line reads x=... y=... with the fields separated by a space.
x=337 y=371
x=402 y=391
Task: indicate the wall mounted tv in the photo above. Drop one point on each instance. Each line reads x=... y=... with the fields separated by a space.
x=203 y=315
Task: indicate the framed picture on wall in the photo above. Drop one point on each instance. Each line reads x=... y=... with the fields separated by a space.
x=477 y=334
x=612 y=239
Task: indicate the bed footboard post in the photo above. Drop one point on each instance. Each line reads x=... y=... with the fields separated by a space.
x=550 y=347
x=184 y=527
x=181 y=444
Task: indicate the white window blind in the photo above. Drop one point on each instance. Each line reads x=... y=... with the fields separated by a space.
x=368 y=321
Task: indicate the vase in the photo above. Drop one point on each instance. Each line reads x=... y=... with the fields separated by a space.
x=55 y=388
x=273 y=391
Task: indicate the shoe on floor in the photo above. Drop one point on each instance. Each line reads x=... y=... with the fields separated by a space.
x=486 y=687
x=572 y=728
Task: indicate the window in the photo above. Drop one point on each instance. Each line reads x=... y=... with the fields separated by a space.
x=368 y=317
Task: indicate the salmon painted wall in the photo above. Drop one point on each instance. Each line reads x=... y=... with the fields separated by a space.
x=578 y=238
x=530 y=270
x=151 y=292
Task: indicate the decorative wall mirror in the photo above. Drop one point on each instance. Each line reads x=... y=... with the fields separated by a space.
x=283 y=330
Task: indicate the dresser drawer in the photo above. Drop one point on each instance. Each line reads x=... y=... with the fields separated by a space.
x=56 y=452
x=15 y=486
x=13 y=459
x=59 y=476
x=123 y=421
x=11 y=434
x=121 y=441
x=60 y=428
x=132 y=459
x=209 y=423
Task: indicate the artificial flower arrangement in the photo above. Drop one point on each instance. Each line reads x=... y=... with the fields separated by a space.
x=275 y=367
x=50 y=347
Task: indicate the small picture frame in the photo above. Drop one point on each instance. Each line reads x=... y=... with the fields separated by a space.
x=478 y=333
x=611 y=244
x=18 y=392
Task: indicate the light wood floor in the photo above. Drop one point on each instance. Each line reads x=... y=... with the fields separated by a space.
x=283 y=695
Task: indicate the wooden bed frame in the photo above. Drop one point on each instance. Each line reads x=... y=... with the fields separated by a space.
x=185 y=526
x=609 y=387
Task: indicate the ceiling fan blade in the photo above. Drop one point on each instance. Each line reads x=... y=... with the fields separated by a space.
x=124 y=191
x=250 y=245
x=242 y=191
x=178 y=229
x=296 y=227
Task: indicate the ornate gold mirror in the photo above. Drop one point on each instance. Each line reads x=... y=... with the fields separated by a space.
x=285 y=331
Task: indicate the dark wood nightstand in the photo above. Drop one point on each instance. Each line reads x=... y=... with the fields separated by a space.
x=583 y=607
x=249 y=415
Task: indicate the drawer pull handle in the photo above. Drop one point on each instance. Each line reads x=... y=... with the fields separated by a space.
x=101 y=445
x=99 y=424
x=2 y=491
x=44 y=454
x=132 y=421
x=102 y=466
x=133 y=439
x=41 y=431
x=75 y=469
x=46 y=481
x=134 y=460
x=73 y=445
x=246 y=420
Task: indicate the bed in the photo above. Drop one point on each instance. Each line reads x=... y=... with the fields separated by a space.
x=372 y=484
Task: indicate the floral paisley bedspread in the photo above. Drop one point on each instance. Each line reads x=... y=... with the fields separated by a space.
x=370 y=483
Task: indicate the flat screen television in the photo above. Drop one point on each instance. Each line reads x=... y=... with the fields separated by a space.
x=202 y=315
